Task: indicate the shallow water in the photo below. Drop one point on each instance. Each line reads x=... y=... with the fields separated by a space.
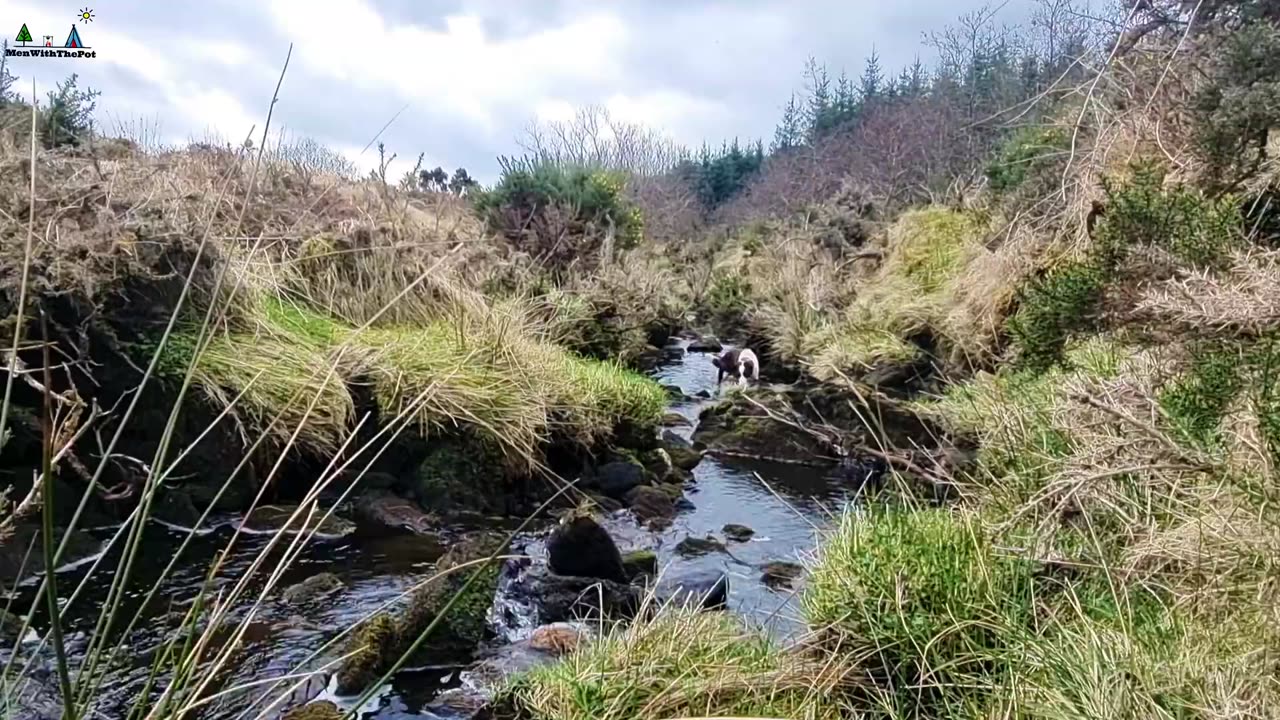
x=784 y=504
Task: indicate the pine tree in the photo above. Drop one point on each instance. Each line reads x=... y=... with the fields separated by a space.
x=24 y=35
x=871 y=85
x=819 y=111
x=789 y=133
x=919 y=81
x=846 y=102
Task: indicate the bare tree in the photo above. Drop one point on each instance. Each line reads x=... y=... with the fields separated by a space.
x=593 y=137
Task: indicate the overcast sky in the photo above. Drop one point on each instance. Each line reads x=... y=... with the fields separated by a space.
x=468 y=74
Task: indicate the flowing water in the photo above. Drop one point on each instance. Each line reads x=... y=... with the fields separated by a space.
x=784 y=504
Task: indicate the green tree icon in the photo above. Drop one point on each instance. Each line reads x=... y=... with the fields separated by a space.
x=24 y=35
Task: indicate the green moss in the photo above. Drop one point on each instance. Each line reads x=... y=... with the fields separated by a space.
x=461 y=470
x=466 y=623
x=371 y=649
x=320 y=710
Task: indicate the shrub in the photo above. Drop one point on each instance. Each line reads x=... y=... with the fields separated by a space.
x=1196 y=402
x=1141 y=212
x=561 y=215
x=1239 y=104
x=69 y=118
x=1025 y=152
x=1055 y=307
x=1180 y=220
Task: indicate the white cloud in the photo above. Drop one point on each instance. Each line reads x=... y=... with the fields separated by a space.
x=457 y=71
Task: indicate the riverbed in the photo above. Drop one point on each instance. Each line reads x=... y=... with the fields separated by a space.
x=785 y=505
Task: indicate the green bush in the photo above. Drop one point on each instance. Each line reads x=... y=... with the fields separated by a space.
x=1053 y=308
x=1181 y=220
x=1027 y=151
x=1141 y=211
x=560 y=215
x=1239 y=105
x=1196 y=402
x=68 y=119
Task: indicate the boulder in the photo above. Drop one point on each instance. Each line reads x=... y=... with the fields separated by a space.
x=579 y=547
x=684 y=504
x=268 y=519
x=737 y=533
x=672 y=439
x=649 y=503
x=564 y=598
x=705 y=589
x=606 y=504
x=704 y=394
x=382 y=512
x=311 y=589
x=780 y=574
x=383 y=638
x=617 y=478
x=675 y=392
x=695 y=546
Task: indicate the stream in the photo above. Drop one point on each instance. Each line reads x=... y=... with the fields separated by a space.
x=784 y=505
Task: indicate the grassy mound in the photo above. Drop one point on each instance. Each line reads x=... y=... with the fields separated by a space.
x=681 y=664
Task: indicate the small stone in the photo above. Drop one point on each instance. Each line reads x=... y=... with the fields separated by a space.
x=556 y=638
x=674 y=391
x=737 y=533
x=704 y=589
x=269 y=519
x=313 y=588
x=649 y=503
x=606 y=504
x=694 y=546
x=704 y=394
x=675 y=419
x=685 y=505
x=684 y=458
x=318 y=710
x=780 y=574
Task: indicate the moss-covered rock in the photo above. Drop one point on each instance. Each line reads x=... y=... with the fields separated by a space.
x=639 y=563
x=376 y=645
x=651 y=503
x=313 y=588
x=462 y=472
x=370 y=650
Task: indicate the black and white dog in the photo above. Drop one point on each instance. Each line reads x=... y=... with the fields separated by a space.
x=740 y=363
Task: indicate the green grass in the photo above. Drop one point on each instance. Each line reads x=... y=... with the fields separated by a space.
x=492 y=374
x=681 y=664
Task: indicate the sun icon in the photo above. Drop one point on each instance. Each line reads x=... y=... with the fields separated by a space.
x=86 y=14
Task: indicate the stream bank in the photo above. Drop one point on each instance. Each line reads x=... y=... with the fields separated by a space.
x=748 y=521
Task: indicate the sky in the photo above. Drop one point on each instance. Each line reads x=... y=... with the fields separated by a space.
x=458 y=80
